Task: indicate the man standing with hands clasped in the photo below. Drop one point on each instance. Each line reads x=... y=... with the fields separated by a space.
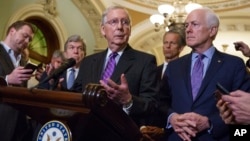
x=191 y=82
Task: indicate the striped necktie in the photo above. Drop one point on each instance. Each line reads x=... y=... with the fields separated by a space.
x=109 y=67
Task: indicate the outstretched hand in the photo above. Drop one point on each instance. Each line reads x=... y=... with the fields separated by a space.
x=118 y=93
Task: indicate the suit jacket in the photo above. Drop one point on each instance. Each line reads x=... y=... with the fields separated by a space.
x=13 y=124
x=159 y=71
x=226 y=69
x=140 y=71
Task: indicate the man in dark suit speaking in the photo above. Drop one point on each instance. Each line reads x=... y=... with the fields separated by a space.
x=132 y=83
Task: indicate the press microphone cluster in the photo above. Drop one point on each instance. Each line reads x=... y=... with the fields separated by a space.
x=55 y=74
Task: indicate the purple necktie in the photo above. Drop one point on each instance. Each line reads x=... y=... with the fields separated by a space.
x=197 y=73
x=109 y=67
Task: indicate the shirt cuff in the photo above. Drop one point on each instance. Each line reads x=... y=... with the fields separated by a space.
x=168 y=126
x=6 y=79
x=211 y=127
x=127 y=107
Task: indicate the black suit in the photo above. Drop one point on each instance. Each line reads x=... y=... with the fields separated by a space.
x=13 y=124
x=140 y=71
x=159 y=71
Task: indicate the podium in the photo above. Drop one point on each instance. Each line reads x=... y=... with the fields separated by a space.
x=94 y=116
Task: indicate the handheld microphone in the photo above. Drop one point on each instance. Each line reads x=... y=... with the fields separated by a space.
x=69 y=63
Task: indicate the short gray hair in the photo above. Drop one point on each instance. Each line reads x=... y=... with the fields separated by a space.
x=105 y=13
x=58 y=54
x=75 y=38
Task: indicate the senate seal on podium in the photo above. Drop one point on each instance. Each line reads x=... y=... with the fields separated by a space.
x=54 y=131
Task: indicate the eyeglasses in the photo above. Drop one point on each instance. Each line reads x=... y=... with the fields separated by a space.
x=115 y=22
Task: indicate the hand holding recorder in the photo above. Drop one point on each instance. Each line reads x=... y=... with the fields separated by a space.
x=223 y=106
x=238 y=103
x=33 y=67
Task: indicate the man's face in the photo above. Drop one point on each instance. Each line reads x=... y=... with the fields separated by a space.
x=75 y=50
x=56 y=62
x=171 y=48
x=21 y=38
x=116 y=29
x=197 y=31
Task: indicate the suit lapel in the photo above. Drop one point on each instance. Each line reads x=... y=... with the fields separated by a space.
x=97 y=66
x=187 y=78
x=125 y=62
x=159 y=71
x=5 y=61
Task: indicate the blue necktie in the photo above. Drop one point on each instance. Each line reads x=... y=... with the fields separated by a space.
x=109 y=67
x=71 y=78
x=197 y=75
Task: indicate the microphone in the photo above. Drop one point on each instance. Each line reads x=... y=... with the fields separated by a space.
x=69 y=63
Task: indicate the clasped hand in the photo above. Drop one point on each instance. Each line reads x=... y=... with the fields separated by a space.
x=189 y=124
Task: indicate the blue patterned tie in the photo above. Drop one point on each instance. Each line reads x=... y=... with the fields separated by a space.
x=197 y=73
x=71 y=78
x=109 y=67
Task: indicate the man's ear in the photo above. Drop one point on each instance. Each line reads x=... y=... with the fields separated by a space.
x=102 y=31
x=213 y=31
x=12 y=30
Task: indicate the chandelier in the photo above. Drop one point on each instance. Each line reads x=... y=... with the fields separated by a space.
x=173 y=16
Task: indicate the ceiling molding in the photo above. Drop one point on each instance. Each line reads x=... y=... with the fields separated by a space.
x=91 y=10
x=234 y=17
x=216 y=5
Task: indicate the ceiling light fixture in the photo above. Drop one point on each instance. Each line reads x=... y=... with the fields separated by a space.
x=173 y=16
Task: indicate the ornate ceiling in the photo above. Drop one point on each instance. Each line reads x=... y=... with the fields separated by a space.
x=217 y=5
x=234 y=15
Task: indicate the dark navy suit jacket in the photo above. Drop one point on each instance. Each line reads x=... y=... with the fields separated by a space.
x=228 y=70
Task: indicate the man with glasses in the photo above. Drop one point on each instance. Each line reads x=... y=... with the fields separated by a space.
x=132 y=83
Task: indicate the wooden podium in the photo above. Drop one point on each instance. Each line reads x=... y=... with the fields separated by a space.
x=94 y=116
